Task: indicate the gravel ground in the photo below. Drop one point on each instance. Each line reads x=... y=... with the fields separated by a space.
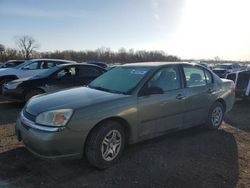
x=191 y=158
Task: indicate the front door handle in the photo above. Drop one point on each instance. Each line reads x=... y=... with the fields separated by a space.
x=180 y=97
x=210 y=90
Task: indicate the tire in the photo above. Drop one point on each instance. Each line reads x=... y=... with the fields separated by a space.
x=32 y=93
x=3 y=82
x=215 y=116
x=100 y=150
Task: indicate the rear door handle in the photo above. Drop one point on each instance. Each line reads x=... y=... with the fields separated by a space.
x=180 y=97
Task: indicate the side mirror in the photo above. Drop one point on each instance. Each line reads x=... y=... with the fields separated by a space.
x=152 y=91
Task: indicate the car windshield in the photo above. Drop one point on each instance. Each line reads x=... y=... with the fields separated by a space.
x=120 y=79
x=47 y=72
x=22 y=64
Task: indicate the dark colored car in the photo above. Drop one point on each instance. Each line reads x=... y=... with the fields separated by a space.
x=222 y=73
x=100 y=64
x=11 y=63
x=55 y=79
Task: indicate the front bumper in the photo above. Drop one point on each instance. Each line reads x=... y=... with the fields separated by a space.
x=13 y=94
x=50 y=143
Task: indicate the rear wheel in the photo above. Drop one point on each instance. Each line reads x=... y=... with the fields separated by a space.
x=216 y=115
x=105 y=144
x=32 y=93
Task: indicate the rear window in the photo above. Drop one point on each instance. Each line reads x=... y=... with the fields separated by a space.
x=89 y=71
x=232 y=77
x=195 y=76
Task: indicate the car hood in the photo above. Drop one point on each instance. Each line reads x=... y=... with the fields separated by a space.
x=75 y=98
x=19 y=80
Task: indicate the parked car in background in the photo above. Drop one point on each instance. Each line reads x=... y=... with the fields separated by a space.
x=204 y=64
x=242 y=83
x=222 y=70
x=222 y=73
x=28 y=68
x=127 y=104
x=55 y=79
x=11 y=63
x=100 y=64
x=211 y=66
x=248 y=67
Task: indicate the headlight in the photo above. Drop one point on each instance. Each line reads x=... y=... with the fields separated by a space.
x=12 y=85
x=54 y=117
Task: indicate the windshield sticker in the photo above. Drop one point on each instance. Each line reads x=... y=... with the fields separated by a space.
x=138 y=71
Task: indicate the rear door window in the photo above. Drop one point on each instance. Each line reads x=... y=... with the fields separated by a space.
x=33 y=66
x=194 y=76
x=51 y=64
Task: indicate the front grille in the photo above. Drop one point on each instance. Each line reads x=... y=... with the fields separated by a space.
x=29 y=116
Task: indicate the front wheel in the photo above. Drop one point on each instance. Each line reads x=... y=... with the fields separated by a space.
x=216 y=115
x=105 y=144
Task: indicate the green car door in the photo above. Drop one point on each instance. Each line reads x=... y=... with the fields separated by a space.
x=200 y=93
x=163 y=110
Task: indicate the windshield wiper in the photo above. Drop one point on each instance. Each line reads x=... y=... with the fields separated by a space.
x=99 y=88
x=106 y=89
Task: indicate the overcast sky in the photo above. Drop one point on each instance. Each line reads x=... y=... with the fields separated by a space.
x=186 y=28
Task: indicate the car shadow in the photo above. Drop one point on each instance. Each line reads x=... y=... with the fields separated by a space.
x=239 y=116
x=190 y=158
x=13 y=109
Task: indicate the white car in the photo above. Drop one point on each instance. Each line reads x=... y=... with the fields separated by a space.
x=29 y=68
x=11 y=63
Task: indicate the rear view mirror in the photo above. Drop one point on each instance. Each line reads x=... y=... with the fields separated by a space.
x=152 y=91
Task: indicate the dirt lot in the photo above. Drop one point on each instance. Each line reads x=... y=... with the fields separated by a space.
x=191 y=158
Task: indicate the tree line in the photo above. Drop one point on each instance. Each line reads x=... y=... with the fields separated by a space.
x=27 y=49
x=108 y=56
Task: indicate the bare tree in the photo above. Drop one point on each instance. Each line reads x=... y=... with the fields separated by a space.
x=27 y=45
x=1 y=48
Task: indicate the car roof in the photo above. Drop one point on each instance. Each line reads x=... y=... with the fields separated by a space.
x=14 y=60
x=79 y=64
x=45 y=59
x=226 y=64
x=240 y=71
x=156 y=64
x=219 y=69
